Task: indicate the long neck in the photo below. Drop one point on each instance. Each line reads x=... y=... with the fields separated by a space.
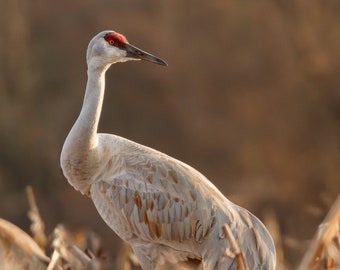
x=80 y=156
x=83 y=135
x=92 y=106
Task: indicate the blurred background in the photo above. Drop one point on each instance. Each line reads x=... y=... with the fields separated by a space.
x=251 y=98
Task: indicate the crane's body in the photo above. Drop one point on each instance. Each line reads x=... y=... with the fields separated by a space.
x=165 y=209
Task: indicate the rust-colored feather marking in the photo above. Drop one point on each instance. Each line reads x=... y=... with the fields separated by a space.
x=173 y=176
x=138 y=201
x=146 y=219
x=155 y=229
x=149 y=179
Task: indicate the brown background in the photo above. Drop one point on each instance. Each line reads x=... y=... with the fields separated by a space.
x=251 y=98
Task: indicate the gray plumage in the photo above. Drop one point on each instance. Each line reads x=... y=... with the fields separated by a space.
x=164 y=208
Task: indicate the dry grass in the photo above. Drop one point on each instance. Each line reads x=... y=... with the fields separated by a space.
x=324 y=251
x=83 y=249
x=235 y=250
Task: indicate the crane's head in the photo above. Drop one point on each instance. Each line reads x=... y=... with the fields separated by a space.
x=109 y=47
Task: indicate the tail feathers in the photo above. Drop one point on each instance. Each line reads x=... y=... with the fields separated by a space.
x=256 y=242
x=252 y=237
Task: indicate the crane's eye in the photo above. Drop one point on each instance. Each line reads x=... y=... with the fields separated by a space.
x=115 y=39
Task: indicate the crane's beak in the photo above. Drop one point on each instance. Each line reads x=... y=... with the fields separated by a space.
x=134 y=52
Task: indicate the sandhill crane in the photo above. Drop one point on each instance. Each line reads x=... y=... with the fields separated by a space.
x=165 y=209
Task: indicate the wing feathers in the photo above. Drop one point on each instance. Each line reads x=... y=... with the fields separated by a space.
x=156 y=199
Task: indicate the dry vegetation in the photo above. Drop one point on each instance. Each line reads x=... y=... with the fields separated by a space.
x=251 y=98
x=82 y=250
x=324 y=251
